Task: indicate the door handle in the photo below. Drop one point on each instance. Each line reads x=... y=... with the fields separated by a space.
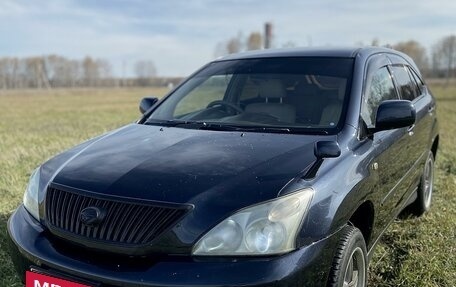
x=410 y=130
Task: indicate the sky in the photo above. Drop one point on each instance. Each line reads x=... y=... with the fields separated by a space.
x=181 y=36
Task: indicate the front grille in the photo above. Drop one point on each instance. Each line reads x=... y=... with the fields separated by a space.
x=125 y=223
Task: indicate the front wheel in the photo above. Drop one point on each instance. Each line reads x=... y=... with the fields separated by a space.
x=349 y=267
x=425 y=189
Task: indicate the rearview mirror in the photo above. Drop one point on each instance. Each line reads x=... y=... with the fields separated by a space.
x=394 y=114
x=146 y=103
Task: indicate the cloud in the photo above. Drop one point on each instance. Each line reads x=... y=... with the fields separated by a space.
x=180 y=36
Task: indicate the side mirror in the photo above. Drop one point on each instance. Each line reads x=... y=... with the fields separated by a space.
x=326 y=149
x=322 y=150
x=394 y=114
x=146 y=104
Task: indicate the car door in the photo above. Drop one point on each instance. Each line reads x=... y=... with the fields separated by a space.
x=418 y=134
x=425 y=107
x=388 y=161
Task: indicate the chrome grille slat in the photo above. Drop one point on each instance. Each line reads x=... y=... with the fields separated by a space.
x=133 y=220
x=120 y=226
x=134 y=235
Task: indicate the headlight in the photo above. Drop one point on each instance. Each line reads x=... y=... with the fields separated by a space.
x=263 y=229
x=31 y=194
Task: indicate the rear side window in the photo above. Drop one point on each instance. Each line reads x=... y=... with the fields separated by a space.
x=406 y=86
x=418 y=81
x=380 y=88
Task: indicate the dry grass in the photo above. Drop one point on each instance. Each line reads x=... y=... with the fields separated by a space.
x=420 y=251
x=34 y=125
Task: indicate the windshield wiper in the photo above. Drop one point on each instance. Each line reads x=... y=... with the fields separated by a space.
x=269 y=129
x=286 y=130
x=179 y=123
x=226 y=127
x=166 y=123
x=266 y=129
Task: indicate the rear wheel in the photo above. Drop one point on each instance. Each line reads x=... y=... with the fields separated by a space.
x=349 y=267
x=425 y=189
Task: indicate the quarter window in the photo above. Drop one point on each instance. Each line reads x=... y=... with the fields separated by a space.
x=380 y=88
x=418 y=81
x=405 y=85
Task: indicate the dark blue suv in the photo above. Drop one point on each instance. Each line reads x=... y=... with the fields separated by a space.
x=269 y=168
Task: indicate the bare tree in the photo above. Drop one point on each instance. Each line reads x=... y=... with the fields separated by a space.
x=56 y=67
x=375 y=42
x=3 y=74
x=91 y=73
x=54 y=71
x=104 y=73
x=238 y=44
x=254 y=41
x=73 y=72
x=145 y=71
x=36 y=73
x=416 y=51
x=234 y=45
x=15 y=73
x=444 y=56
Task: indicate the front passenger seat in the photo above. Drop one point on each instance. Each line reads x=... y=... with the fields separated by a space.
x=331 y=113
x=273 y=89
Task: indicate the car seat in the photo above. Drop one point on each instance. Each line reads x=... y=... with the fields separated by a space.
x=273 y=89
x=331 y=113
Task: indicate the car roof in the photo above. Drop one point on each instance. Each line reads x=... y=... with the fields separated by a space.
x=337 y=52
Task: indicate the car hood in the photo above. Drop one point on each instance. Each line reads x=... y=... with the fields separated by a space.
x=216 y=171
x=178 y=165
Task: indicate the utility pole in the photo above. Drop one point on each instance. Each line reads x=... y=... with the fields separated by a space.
x=267 y=35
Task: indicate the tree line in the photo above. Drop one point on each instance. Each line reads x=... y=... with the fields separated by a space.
x=55 y=71
x=438 y=62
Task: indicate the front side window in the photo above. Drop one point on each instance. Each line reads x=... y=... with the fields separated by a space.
x=271 y=94
x=380 y=88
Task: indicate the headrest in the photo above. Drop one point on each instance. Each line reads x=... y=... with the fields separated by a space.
x=272 y=88
x=331 y=83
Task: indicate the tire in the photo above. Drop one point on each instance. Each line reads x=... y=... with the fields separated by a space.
x=349 y=267
x=425 y=188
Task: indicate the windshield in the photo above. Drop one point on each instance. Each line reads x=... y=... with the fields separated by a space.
x=304 y=95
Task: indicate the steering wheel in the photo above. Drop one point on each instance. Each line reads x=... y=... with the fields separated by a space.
x=227 y=104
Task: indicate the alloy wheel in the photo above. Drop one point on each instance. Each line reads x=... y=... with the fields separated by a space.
x=428 y=182
x=355 y=272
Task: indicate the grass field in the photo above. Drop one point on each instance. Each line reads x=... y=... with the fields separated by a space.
x=34 y=125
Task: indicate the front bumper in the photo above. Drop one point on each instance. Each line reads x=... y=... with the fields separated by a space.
x=31 y=245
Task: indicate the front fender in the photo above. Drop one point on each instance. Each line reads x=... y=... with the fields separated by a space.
x=341 y=186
